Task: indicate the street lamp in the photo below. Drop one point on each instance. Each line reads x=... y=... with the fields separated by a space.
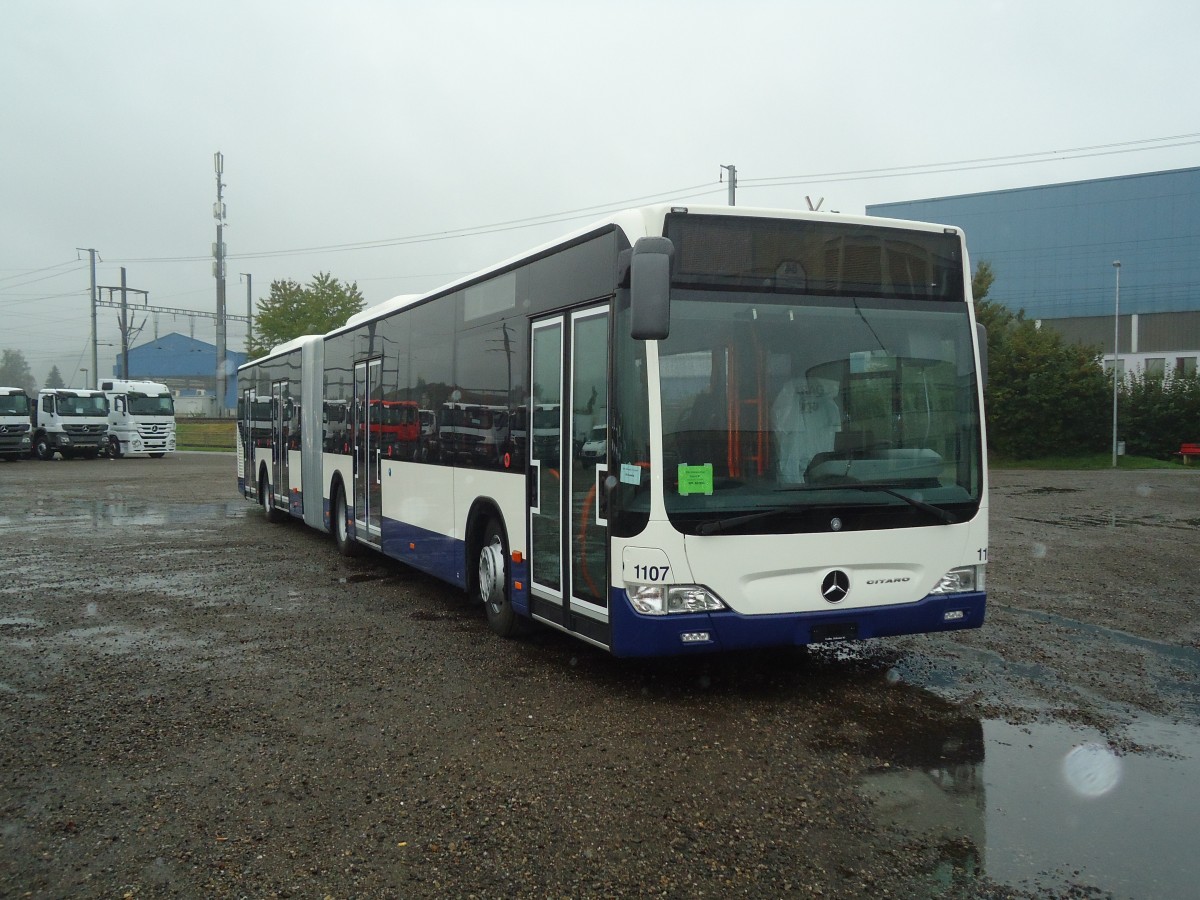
x=1116 y=339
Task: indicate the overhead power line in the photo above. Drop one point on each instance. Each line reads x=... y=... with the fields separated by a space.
x=707 y=188
x=468 y=231
x=75 y=265
x=966 y=165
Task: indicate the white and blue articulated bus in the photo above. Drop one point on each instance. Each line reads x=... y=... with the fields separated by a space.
x=680 y=430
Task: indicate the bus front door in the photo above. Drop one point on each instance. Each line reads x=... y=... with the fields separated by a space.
x=367 y=480
x=568 y=552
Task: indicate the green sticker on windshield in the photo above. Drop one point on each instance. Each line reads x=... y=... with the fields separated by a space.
x=695 y=479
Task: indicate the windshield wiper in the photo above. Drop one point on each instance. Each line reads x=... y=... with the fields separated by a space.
x=719 y=525
x=936 y=511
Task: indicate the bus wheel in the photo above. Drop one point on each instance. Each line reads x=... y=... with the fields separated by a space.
x=341 y=531
x=264 y=497
x=492 y=581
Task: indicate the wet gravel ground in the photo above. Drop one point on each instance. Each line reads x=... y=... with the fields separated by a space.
x=195 y=703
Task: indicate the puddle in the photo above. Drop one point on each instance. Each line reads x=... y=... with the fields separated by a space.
x=1045 y=490
x=1095 y=521
x=121 y=514
x=1052 y=808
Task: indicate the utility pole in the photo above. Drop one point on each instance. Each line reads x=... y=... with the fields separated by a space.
x=732 y=183
x=249 y=310
x=219 y=274
x=123 y=321
x=1116 y=355
x=124 y=329
x=91 y=251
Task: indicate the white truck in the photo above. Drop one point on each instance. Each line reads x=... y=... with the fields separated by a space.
x=141 y=418
x=15 y=442
x=71 y=422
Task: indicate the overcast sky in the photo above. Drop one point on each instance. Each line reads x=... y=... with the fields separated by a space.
x=372 y=123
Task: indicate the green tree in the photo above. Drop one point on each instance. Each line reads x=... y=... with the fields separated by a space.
x=15 y=372
x=55 y=380
x=1044 y=396
x=292 y=310
x=981 y=281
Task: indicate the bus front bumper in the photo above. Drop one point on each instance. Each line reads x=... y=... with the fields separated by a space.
x=635 y=634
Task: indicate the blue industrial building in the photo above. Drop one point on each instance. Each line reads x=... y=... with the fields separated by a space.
x=187 y=366
x=1052 y=249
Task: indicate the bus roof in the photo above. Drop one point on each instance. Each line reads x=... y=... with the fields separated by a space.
x=281 y=349
x=644 y=221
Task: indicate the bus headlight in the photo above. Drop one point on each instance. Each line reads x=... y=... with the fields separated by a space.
x=960 y=581
x=659 y=600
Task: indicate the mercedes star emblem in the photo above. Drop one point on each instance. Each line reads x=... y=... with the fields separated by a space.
x=836 y=586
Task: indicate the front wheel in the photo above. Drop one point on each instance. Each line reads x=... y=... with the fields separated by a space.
x=491 y=586
x=42 y=448
x=114 y=447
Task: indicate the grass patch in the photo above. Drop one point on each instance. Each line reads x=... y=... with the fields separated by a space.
x=1090 y=461
x=205 y=435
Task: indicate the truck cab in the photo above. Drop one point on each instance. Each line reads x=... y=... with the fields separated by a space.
x=141 y=418
x=15 y=442
x=69 y=422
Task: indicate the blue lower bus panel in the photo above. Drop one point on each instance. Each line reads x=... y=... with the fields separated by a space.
x=635 y=634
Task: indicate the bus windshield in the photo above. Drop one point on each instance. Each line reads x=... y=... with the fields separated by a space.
x=784 y=413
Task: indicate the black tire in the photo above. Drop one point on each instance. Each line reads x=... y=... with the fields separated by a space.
x=338 y=514
x=114 y=447
x=42 y=448
x=491 y=580
x=270 y=513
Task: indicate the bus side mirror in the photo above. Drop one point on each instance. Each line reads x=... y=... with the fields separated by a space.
x=650 y=288
x=981 y=336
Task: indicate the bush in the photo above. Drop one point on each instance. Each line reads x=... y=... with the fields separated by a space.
x=1155 y=414
x=1044 y=397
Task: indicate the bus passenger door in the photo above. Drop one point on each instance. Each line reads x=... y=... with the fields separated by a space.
x=568 y=548
x=280 y=401
x=367 y=480
x=246 y=440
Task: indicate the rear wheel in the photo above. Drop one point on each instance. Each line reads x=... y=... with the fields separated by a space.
x=491 y=585
x=339 y=524
x=270 y=513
